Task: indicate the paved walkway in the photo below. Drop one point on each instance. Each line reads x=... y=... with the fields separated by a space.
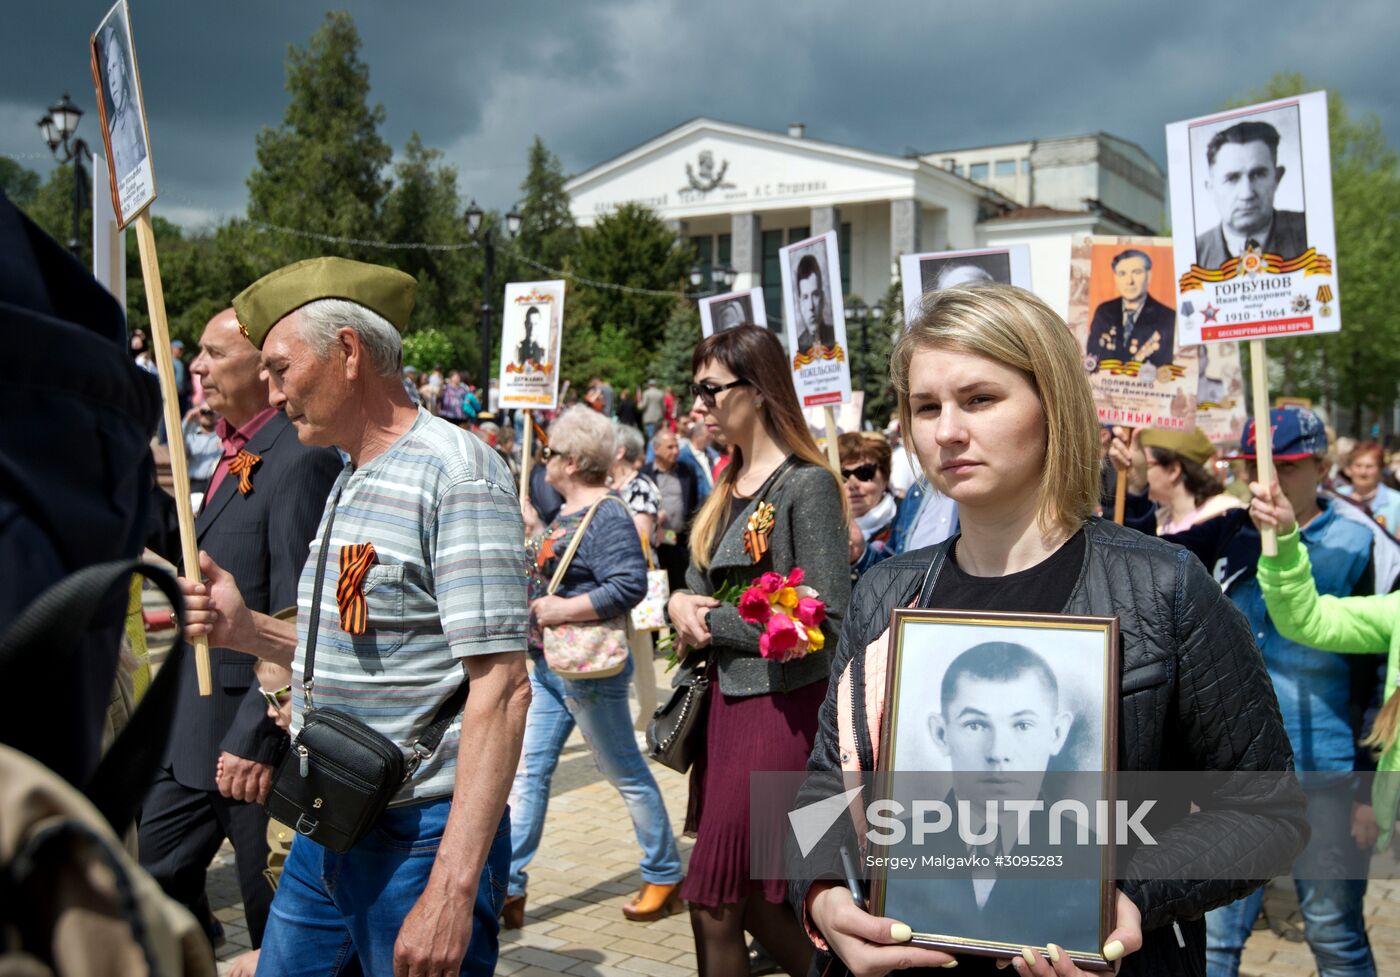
x=587 y=868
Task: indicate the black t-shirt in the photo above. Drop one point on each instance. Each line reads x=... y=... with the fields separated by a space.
x=1041 y=589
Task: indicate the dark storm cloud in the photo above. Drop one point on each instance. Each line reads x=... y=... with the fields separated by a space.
x=596 y=78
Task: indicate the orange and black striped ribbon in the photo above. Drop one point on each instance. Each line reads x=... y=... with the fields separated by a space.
x=755 y=544
x=355 y=561
x=242 y=465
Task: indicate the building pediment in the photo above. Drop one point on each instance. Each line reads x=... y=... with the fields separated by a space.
x=706 y=168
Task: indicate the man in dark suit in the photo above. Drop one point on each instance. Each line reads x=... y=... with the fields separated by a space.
x=680 y=497
x=1134 y=326
x=1242 y=163
x=264 y=502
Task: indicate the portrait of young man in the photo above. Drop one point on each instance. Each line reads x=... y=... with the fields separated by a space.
x=531 y=348
x=810 y=289
x=1243 y=174
x=1001 y=723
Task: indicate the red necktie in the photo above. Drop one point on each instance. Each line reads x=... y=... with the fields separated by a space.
x=355 y=561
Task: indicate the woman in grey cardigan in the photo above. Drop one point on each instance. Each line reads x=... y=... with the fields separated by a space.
x=776 y=506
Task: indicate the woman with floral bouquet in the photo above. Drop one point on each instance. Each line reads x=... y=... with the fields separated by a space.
x=776 y=509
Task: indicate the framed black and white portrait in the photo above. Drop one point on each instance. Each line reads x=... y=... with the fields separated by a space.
x=721 y=312
x=922 y=274
x=1006 y=726
x=125 y=136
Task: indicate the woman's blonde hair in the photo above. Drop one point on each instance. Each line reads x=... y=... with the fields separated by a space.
x=1014 y=327
x=585 y=437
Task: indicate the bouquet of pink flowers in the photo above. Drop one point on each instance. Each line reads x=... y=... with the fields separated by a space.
x=790 y=613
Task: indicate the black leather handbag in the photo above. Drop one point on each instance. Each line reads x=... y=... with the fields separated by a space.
x=676 y=731
x=340 y=774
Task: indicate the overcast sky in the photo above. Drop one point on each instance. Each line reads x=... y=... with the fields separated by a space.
x=596 y=77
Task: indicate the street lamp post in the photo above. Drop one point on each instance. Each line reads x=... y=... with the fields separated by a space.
x=488 y=244
x=59 y=128
x=721 y=277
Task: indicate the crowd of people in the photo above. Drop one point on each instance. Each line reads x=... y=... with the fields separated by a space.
x=365 y=551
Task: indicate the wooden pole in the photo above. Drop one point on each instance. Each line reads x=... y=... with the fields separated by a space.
x=1263 y=433
x=525 y=446
x=1120 y=489
x=179 y=468
x=833 y=450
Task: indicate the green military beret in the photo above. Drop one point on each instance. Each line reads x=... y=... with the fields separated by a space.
x=1193 y=445
x=278 y=294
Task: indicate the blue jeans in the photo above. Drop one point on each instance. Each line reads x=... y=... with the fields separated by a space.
x=338 y=915
x=599 y=706
x=1332 y=921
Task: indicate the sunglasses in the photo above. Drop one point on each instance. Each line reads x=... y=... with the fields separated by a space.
x=547 y=453
x=274 y=699
x=707 y=392
x=865 y=473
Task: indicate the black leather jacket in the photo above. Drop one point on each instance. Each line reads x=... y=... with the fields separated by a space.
x=1195 y=696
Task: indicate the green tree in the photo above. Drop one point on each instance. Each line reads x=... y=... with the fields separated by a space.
x=1355 y=369
x=880 y=401
x=634 y=248
x=671 y=364
x=610 y=352
x=18 y=182
x=51 y=207
x=323 y=169
x=427 y=348
x=547 y=232
x=424 y=205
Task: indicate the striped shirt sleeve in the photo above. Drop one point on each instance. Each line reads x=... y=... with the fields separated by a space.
x=479 y=570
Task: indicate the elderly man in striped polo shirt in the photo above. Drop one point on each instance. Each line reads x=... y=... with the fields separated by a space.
x=424 y=588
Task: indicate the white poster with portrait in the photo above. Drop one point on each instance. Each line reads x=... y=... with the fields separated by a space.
x=721 y=312
x=815 y=320
x=126 y=139
x=532 y=327
x=921 y=274
x=1256 y=249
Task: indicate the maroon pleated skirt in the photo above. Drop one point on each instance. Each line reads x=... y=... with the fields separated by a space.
x=743 y=734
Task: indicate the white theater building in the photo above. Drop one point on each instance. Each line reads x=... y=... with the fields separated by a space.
x=740 y=193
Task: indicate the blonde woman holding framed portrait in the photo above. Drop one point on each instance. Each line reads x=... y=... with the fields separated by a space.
x=995 y=402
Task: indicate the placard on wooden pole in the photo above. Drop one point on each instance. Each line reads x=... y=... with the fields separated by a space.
x=170 y=403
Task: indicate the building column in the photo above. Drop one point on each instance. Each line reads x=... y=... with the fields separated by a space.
x=906 y=226
x=681 y=228
x=824 y=219
x=746 y=251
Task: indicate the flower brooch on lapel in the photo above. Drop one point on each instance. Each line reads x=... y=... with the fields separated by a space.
x=757 y=530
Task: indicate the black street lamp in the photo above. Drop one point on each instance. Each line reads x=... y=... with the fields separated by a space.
x=59 y=128
x=721 y=277
x=488 y=244
x=858 y=311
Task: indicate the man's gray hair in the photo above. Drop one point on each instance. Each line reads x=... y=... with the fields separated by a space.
x=323 y=319
x=630 y=440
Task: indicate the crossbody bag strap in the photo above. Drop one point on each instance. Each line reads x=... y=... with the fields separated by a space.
x=568 y=557
x=308 y=680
